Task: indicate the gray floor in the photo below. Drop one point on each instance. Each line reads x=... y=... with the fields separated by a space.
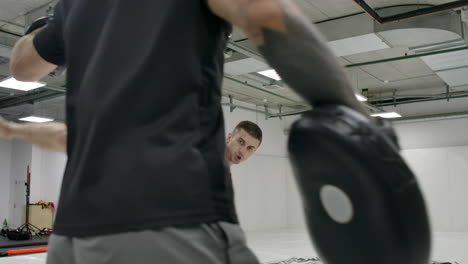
x=285 y=244
x=278 y=245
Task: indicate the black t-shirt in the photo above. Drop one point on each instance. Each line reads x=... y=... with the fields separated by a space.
x=145 y=124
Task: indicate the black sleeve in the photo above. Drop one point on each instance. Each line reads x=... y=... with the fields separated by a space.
x=215 y=19
x=49 y=41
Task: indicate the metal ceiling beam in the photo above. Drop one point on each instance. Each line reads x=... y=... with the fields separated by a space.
x=409 y=98
x=419 y=12
x=235 y=106
x=10 y=33
x=29 y=98
x=54 y=88
x=262 y=90
x=245 y=51
x=294 y=113
x=413 y=101
x=405 y=57
x=369 y=10
x=427 y=118
x=426 y=11
x=267 y=114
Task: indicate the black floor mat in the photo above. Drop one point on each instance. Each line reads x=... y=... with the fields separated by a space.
x=5 y=243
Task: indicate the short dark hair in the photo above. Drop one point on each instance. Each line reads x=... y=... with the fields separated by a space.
x=251 y=128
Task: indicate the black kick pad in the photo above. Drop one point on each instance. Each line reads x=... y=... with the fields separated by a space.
x=362 y=203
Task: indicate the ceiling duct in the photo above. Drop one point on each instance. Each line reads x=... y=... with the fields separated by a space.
x=432 y=33
x=426 y=30
x=340 y=47
x=360 y=34
x=410 y=14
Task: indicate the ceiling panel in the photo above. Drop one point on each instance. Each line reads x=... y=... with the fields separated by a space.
x=401 y=74
x=12 y=9
x=312 y=12
x=15 y=29
x=455 y=77
x=363 y=57
x=419 y=37
x=447 y=61
x=335 y=8
x=357 y=45
x=451 y=67
x=412 y=67
x=408 y=76
x=319 y=10
x=392 y=53
x=418 y=85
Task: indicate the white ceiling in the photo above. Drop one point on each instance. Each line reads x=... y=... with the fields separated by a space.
x=319 y=10
x=378 y=81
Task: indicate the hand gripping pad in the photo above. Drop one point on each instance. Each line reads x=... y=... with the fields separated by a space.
x=362 y=203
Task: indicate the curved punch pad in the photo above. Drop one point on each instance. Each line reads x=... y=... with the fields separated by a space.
x=379 y=215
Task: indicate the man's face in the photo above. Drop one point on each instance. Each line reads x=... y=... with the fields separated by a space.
x=240 y=145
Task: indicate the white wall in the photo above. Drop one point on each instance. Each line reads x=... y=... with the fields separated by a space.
x=295 y=215
x=5 y=161
x=433 y=134
x=260 y=183
x=437 y=152
x=20 y=159
x=442 y=175
x=46 y=176
x=266 y=193
x=47 y=169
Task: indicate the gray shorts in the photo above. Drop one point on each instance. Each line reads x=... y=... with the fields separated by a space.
x=213 y=243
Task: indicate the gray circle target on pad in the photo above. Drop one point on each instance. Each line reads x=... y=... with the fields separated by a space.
x=337 y=204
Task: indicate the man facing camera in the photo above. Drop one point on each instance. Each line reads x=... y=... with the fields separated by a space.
x=242 y=142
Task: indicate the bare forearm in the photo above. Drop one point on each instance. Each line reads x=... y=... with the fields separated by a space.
x=49 y=136
x=26 y=64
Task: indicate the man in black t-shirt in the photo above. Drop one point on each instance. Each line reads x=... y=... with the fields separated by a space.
x=145 y=176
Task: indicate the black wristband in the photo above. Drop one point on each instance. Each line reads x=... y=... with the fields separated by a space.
x=38 y=23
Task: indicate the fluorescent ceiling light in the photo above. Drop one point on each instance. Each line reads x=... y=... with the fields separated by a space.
x=36 y=119
x=361 y=98
x=12 y=83
x=388 y=115
x=274 y=75
x=244 y=66
x=271 y=74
